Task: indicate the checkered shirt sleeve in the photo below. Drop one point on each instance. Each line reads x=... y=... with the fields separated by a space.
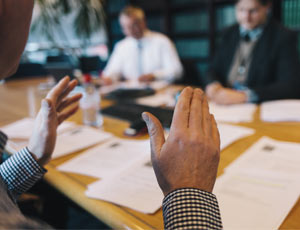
x=20 y=172
x=190 y=208
x=3 y=140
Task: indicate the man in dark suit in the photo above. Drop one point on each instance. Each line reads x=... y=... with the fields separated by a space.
x=257 y=59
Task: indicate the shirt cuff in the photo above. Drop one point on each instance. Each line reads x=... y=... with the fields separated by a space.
x=21 y=171
x=251 y=95
x=190 y=208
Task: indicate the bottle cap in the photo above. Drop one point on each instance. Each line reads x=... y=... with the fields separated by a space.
x=87 y=78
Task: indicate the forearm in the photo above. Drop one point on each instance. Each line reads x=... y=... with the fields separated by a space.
x=190 y=208
x=20 y=172
x=276 y=91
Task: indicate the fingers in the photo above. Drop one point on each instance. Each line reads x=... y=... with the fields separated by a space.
x=182 y=110
x=195 y=120
x=65 y=115
x=156 y=132
x=212 y=89
x=58 y=89
x=206 y=118
x=215 y=131
x=67 y=90
x=68 y=101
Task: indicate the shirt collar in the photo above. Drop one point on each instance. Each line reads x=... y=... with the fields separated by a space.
x=147 y=34
x=253 y=34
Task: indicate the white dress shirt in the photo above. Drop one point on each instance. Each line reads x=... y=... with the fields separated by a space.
x=152 y=54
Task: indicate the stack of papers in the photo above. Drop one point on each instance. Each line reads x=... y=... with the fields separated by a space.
x=77 y=139
x=135 y=187
x=108 y=158
x=281 y=110
x=128 y=178
x=126 y=171
x=259 y=189
x=22 y=129
x=70 y=136
x=233 y=113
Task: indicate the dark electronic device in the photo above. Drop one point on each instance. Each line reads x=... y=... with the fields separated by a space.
x=59 y=70
x=122 y=94
x=133 y=112
x=136 y=128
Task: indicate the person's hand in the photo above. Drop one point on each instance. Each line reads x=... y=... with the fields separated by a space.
x=227 y=96
x=212 y=89
x=189 y=158
x=147 y=78
x=105 y=81
x=51 y=114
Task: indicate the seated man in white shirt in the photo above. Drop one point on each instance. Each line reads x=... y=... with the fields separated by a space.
x=143 y=55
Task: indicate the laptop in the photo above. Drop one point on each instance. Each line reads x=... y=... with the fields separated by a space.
x=59 y=70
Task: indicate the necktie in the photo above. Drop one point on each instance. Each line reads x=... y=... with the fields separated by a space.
x=246 y=38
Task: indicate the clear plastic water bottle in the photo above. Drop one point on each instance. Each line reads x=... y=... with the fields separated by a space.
x=90 y=104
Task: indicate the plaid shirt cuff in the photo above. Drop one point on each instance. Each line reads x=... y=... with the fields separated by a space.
x=20 y=172
x=190 y=208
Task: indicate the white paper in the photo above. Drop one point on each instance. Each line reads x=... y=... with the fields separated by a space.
x=233 y=113
x=22 y=129
x=281 y=110
x=108 y=158
x=133 y=84
x=230 y=134
x=77 y=139
x=157 y=85
x=135 y=187
x=256 y=200
x=157 y=100
x=268 y=154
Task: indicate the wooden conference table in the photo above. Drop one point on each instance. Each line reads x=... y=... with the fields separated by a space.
x=20 y=98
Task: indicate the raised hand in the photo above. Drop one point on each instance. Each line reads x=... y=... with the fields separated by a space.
x=52 y=113
x=189 y=158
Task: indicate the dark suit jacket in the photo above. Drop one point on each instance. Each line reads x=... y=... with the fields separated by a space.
x=274 y=72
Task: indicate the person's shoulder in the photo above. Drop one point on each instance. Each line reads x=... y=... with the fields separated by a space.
x=122 y=43
x=159 y=36
x=230 y=30
x=280 y=30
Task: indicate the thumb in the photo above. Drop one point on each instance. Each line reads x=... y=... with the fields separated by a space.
x=156 y=133
x=47 y=107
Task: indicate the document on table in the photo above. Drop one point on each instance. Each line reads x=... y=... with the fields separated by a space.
x=108 y=158
x=22 y=129
x=259 y=189
x=134 y=187
x=133 y=84
x=233 y=113
x=77 y=139
x=256 y=200
x=271 y=155
x=280 y=110
x=230 y=133
x=157 y=100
